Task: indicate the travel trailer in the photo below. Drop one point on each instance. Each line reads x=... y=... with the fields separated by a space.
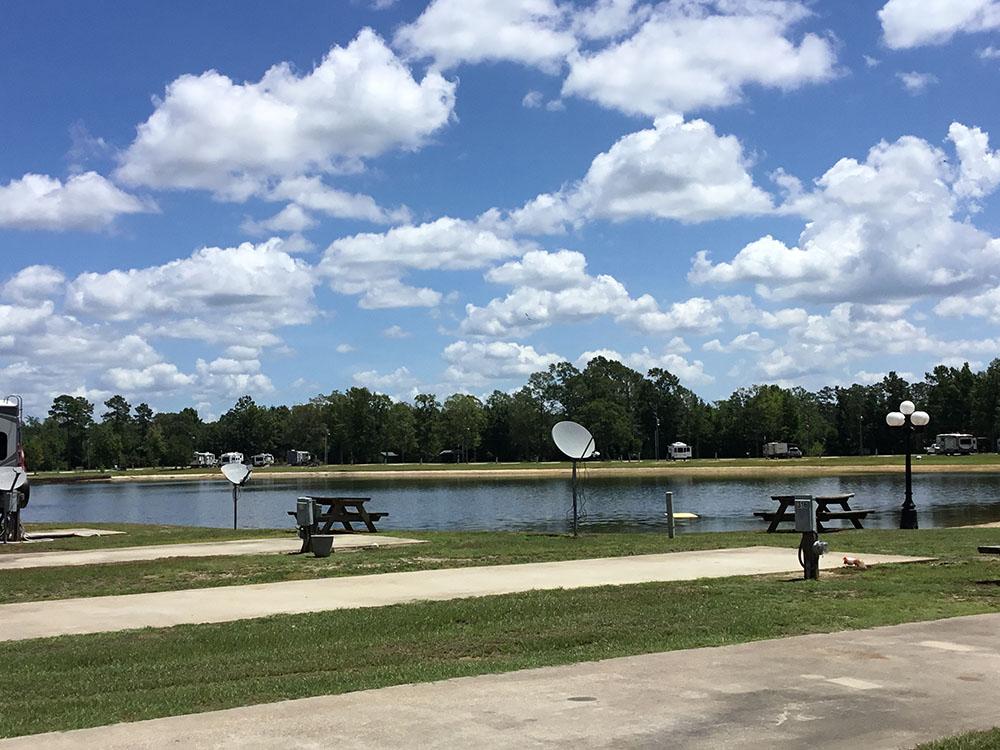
x=200 y=459
x=231 y=458
x=262 y=459
x=298 y=458
x=12 y=455
x=679 y=451
x=953 y=444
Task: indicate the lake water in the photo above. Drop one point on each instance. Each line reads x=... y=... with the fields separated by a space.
x=627 y=504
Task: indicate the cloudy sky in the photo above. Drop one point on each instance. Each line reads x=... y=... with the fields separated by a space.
x=201 y=200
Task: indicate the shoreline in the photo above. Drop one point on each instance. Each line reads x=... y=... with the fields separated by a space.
x=736 y=472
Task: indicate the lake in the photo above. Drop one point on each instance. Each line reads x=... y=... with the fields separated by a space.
x=618 y=503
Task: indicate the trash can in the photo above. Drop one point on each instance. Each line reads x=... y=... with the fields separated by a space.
x=321 y=544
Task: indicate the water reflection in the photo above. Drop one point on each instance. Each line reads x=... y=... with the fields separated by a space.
x=633 y=504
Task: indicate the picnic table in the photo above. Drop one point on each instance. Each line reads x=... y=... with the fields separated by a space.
x=345 y=511
x=823 y=510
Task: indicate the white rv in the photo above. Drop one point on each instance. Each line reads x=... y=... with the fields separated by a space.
x=231 y=458
x=953 y=444
x=200 y=459
x=12 y=501
x=262 y=459
x=679 y=451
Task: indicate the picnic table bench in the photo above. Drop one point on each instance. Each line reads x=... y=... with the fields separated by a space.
x=345 y=511
x=823 y=511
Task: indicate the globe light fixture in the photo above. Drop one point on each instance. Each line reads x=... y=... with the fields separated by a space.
x=912 y=421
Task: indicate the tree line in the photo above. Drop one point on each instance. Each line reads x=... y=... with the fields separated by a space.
x=631 y=415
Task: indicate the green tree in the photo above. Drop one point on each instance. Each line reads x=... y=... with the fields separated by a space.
x=463 y=420
x=73 y=417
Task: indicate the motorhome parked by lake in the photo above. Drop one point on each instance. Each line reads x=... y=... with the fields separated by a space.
x=262 y=459
x=231 y=458
x=953 y=444
x=679 y=451
x=12 y=501
x=203 y=458
x=298 y=458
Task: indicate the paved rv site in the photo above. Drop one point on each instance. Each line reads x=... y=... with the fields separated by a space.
x=885 y=687
x=162 y=609
x=898 y=686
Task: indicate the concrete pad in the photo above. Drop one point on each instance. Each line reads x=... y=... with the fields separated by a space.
x=873 y=689
x=35 y=536
x=228 y=603
x=15 y=561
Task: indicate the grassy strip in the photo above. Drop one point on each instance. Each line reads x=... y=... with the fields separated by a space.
x=988 y=740
x=136 y=535
x=443 y=550
x=71 y=682
x=958 y=463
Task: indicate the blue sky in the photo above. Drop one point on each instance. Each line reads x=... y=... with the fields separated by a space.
x=199 y=201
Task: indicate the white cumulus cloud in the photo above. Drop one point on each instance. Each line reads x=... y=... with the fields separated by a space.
x=914 y=23
x=85 y=201
x=209 y=132
x=885 y=228
x=451 y=32
x=675 y=170
x=373 y=265
x=694 y=55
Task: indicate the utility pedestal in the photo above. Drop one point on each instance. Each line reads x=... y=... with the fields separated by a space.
x=810 y=548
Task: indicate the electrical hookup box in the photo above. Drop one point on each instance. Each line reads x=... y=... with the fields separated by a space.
x=805 y=516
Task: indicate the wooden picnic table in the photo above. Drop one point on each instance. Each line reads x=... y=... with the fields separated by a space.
x=823 y=510
x=345 y=511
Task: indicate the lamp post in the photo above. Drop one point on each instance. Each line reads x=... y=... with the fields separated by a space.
x=656 y=441
x=911 y=420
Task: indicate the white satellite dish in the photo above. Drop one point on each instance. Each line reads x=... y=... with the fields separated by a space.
x=573 y=439
x=11 y=479
x=577 y=443
x=238 y=475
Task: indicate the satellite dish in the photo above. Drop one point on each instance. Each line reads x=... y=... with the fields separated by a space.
x=238 y=474
x=11 y=479
x=573 y=439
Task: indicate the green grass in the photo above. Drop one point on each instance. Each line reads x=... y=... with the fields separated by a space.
x=988 y=740
x=977 y=461
x=69 y=682
x=442 y=550
x=136 y=535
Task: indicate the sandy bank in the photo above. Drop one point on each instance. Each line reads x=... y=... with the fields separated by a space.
x=708 y=472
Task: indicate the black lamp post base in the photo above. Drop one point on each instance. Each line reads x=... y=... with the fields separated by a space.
x=908 y=518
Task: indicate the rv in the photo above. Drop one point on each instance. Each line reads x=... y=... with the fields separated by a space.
x=775 y=450
x=953 y=444
x=262 y=459
x=12 y=455
x=231 y=458
x=200 y=459
x=298 y=458
x=679 y=451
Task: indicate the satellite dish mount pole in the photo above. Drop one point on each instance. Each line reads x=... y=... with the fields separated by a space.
x=575 y=514
x=236 y=494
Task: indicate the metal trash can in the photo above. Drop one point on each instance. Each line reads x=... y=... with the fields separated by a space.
x=321 y=544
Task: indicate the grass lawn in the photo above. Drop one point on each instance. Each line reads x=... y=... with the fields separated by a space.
x=136 y=535
x=442 y=550
x=988 y=740
x=89 y=680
